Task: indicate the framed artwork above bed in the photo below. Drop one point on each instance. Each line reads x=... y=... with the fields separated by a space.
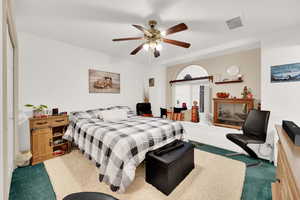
x=103 y=82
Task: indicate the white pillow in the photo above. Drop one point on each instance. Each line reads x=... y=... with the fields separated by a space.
x=114 y=115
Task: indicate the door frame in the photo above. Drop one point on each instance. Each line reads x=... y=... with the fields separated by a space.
x=8 y=26
x=14 y=41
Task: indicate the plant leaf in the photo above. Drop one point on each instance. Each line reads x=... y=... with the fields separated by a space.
x=43 y=106
x=29 y=105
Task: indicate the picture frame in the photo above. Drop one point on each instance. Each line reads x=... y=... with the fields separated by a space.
x=103 y=82
x=285 y=73
x=151 y=82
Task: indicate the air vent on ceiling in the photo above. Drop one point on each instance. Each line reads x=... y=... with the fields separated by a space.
x=234 y=23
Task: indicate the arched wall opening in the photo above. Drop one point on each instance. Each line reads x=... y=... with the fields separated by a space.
x=192 y=70
x=189 y=91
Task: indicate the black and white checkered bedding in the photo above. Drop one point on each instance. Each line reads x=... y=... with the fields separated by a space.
x=119 y=147
x=96 y=113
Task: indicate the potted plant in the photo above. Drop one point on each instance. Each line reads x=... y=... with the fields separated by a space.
x=37 y=111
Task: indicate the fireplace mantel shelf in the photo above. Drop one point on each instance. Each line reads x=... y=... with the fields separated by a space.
x=233 y=99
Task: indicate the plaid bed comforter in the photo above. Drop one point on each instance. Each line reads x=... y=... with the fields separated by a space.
x=117 y=148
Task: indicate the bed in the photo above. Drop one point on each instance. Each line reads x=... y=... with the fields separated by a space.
x=118 y=147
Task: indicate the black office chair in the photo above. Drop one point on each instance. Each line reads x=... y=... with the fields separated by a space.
x=254 y=132
x=163 y=112
x=143 y=108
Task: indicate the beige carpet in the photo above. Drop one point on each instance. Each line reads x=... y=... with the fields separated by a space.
x=214 y=177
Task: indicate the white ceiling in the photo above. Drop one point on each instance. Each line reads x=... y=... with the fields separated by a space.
x=93 y=23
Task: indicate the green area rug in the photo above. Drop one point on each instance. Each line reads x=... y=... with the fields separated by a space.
x=32 y=183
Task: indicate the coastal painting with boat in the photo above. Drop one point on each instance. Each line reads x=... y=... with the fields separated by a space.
x=285 y=73
x=103 y=82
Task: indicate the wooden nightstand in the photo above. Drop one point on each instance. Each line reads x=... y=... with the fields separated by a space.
x=44 y=135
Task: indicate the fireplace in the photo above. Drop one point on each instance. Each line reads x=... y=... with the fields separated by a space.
x=231 y=113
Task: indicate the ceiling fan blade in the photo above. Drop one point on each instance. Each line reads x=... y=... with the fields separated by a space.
x=177 y=43
x=176 y=28
x=156 y=53
x=137 y=49
x=130 y=38
x=144 y=30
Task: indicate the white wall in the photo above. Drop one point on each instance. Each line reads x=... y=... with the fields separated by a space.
x=56 y=74
x=281 y=98
x=157 y=94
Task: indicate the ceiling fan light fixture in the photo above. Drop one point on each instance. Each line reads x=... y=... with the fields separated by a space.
x=146 y=47
x=153 y=38
x=159 y=47
x=152 y=45
x=163 y=33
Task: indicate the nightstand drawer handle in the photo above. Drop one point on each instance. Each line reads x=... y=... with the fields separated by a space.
x=61 y=120
x=41 y=123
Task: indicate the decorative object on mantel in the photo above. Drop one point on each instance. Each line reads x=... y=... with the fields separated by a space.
x=195 y=112
x=187 y=77
x=231 y=113
x=240 y=77
x=209 y=78
x=247 y=94
x=285 y=73
x=38 y=111
x=222 y=95
x=103 y=82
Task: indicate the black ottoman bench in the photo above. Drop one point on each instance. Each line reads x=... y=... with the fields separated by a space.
x=167 y=166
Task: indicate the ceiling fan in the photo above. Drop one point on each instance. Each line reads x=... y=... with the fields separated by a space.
x=153 y=38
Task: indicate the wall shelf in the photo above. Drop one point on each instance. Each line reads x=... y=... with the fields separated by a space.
x=210 y=78
x=226 y=82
